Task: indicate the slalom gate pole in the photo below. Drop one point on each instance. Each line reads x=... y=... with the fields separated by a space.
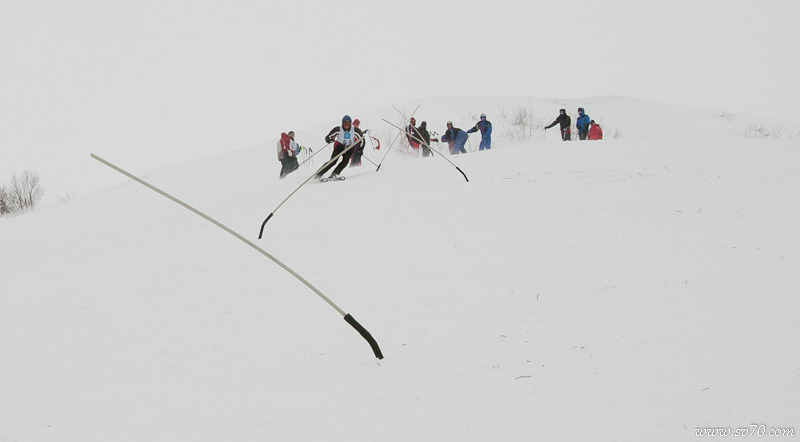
x=429 y=147
x=333 y=160
x=347 y=317
x=395 y=138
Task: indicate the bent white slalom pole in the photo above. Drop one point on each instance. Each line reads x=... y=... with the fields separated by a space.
x=356 y=140
x=429 y=147
x=396 y=137
x=347 y=317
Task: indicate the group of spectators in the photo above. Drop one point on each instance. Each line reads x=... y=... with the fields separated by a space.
x=587 y=128
x=454 y=137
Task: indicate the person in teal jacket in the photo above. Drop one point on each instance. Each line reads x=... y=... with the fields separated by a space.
x=486 y=132
x=582 y=123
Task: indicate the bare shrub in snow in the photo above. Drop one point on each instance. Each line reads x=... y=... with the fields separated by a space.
x=6 y=203
x=64 y=196
x=729 y=116
x=761 y=131
x=522 y=123
x=25 y=190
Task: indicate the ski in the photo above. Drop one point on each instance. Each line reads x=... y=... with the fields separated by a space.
x=338 y=178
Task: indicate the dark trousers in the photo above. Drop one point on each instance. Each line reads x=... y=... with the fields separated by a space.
x=288 y=165
x=565 y=134
x=357 y=154
x=583 y=135
x=426 y=151
x=337 y=149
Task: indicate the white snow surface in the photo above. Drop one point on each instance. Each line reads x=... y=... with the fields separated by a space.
x=629 y=289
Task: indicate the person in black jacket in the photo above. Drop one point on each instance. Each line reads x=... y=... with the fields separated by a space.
x=565 y=121
x=345 y=138
x=425 y=137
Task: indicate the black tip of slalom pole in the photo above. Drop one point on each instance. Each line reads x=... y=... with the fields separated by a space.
x=365 y=334
x=261 y=232
x=462 y=173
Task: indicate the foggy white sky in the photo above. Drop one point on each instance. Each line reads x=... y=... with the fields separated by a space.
x=152 y=82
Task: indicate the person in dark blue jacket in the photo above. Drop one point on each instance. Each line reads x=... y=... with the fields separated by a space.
x=486 y=132
x=582 y=123
x=456 y=138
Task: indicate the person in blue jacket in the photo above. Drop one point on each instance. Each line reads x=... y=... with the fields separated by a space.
x=486 y=132
x=456 y=138
x=582 y=123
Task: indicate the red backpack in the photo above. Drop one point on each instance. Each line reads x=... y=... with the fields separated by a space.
x=285 y=141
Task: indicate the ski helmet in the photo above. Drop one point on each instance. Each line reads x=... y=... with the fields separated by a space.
x=356 y=122
x=347 y=119
x=449 y=123
x=580 y=109
x=291 y=133
x=483 y=115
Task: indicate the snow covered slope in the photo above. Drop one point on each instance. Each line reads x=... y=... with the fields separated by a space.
x=630 y=289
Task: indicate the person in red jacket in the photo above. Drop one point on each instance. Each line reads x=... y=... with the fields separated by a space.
x=595 y=131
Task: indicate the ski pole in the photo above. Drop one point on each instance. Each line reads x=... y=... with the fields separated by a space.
x=423 y=142
x=356 y=140
x=367 y=158
x=438 y=144
x=347 y=317
x=312 y=156
x=396 y=137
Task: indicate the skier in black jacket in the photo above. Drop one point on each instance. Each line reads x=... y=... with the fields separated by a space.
x=565 y=121
x=345 y=137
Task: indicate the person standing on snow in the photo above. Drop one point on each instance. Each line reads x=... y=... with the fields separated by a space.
x=358 y=151
x=486 y=132
x=456 y=138
x=582 y=124
x=565 y=121
x=425 y=139
x=345 y=138
x=287 y=153
x=595 y=131
x=413 y=136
